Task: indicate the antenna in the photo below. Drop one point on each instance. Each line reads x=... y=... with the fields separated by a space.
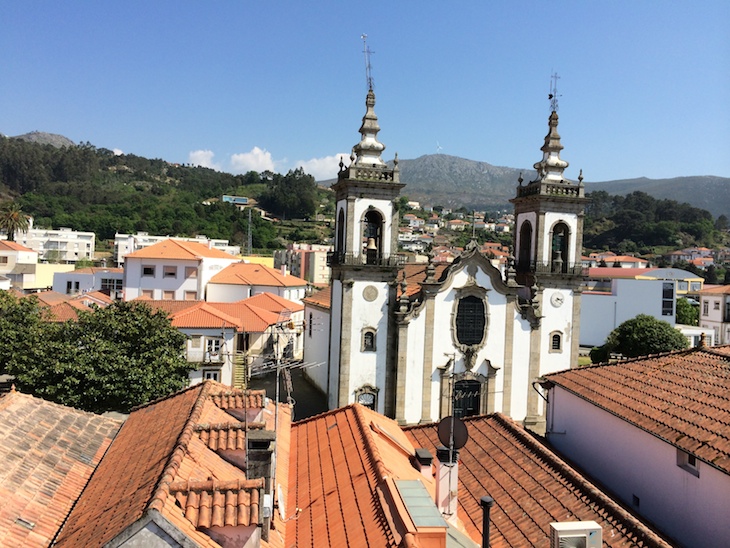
x=553 y=95
x=368 y=69
x=439 y=148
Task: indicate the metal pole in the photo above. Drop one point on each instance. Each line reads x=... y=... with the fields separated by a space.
x=486 y=503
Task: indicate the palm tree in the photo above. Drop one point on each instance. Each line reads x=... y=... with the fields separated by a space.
x=12 y=220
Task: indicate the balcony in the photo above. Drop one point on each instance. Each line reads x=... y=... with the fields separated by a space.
x=350 y=259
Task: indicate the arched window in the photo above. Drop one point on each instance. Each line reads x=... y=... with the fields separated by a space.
x=560 y=244
x=556 y=341
x=524 y=257
x=373 y=231
x=340 y=243
x=368 y=340
x=470 y=320
x=367 y=396
x=309 y=325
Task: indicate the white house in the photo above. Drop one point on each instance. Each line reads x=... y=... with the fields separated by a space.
x=715 y=312
x=613 y=295
x=124 y=244
x=92 y=278
x=173 y=270
x=655 y=432
x=60 y=246
x=19 y=264
x=243 y=280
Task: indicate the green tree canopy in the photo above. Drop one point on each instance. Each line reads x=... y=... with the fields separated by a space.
x=644 y=335
x=109 y=360
x=686 y=313
x=12 y=220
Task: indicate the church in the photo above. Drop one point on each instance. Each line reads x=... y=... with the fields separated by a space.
x=418 y=342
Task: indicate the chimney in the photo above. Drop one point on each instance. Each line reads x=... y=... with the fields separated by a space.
x=210 y=244
x=486 y=503
x=283 y=270
x=447 y=482
x=422 y=462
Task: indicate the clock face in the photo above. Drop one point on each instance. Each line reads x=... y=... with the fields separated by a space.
x=557 y=299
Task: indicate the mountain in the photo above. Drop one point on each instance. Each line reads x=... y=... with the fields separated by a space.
x=440 y=179
x=43 y=138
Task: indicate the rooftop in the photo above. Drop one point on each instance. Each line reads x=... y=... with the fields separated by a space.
x=182 y=250
x=256 y=274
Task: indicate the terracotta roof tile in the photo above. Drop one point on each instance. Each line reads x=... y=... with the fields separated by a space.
x=531 y=488
x=256 y=274
x=274 y=303
x=321 y=298
x=47 y=454
x=156 y=464
x=175 y=249
x=681 y=397
x=6 y=245
x=716 y=290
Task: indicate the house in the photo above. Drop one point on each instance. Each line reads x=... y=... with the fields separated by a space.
x=192 y=469
x=655 y=432
x=243 y=280
x=47 y=454
x=715 y=312
x=613 y=295
x=124 y=244
x=83 y=280
x=531 y=486
x=610 y=259
x=229 y=340
x=173 y=270
x=64 y=246
x=62 y=307
x=306 y=261
x=20 y=265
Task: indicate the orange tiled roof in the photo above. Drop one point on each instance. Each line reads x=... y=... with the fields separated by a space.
x=274 y=303
x=6 y=245
x=159 y=462
x=682 y=397
x=342 y=467
x=47 y=454
x=531 y=487
x=175 y=249
x=321 y=298
x=256 y=274
x=204 y=315
x=716 y=290
x=253 y=318
x=98 y=270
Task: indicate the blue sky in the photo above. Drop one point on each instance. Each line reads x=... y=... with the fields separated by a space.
x=241 y=85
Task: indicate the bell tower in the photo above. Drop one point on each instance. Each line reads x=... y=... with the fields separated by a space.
x=364 y=270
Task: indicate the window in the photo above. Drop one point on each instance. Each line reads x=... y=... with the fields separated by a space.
x=470 y=320
x=111 y=284
x=687 y=461
x=69 y=287
x=705 y=308
x=191 y=272
x=191 y=295
x=467 y=395
x=147 y=293
x=560 y=246
x=3 y=260
x=695 y=286
x=682 y=286
x=556 y=341
x=213 y=346
x=368 y=340
x=196 y=341
x=667 y=299
x=212 y=375
x=367 y=396
x=148 y=270
x=309 y=326
x=169 y=272
x=168 y=295
x=716 y=305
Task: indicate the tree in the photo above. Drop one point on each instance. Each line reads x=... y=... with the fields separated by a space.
x=109 y=360
x=644 y=335
x=686 y=313
x=12 y=220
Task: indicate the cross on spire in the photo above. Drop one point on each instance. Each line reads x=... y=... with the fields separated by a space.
x=553 y=95
x=368 y=70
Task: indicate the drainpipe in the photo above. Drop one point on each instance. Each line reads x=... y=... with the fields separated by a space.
x=486 y=503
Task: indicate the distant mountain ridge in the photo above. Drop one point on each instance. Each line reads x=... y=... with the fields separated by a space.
x=44 y=138
x=450 y=181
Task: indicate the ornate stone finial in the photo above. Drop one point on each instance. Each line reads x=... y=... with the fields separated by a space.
x=511 y=271
x=431 y=268
x=342 y=164
x=369 y=149
x=535 y=296
x=403 y=300
x=395 y=161
x=580 y=177
x=520 y=179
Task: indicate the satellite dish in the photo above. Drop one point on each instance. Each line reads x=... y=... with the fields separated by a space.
x=461 y=434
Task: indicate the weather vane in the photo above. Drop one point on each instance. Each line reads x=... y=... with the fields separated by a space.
x=368 y=70
x=553 y=95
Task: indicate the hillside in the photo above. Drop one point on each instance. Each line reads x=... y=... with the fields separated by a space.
x=43 y=138
x=440 y=179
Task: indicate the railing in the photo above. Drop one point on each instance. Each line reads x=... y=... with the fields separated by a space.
x=371 y=174
x=555 y=189
x=556 y=267
x=335 y=258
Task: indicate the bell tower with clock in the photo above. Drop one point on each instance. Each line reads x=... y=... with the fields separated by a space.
x=548 y=246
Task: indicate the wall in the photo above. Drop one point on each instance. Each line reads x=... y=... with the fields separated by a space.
x=633 y=463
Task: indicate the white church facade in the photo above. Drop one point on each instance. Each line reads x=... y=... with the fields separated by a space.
x=418 y=342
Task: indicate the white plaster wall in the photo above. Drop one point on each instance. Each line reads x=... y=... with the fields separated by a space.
x=364 y=365
x=521 y=381
x=209 y=267
x=335 y=336
x=414 y=368
x=316 y=346
x=227 y=293
x=556 y=319
x=632 y=462
x=224 y=360
x=86 y=281
x=602 y=313
x=134 y=282
x=550 y=220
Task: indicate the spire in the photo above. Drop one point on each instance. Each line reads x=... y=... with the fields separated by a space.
x=551 y=167
x=367 y=151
